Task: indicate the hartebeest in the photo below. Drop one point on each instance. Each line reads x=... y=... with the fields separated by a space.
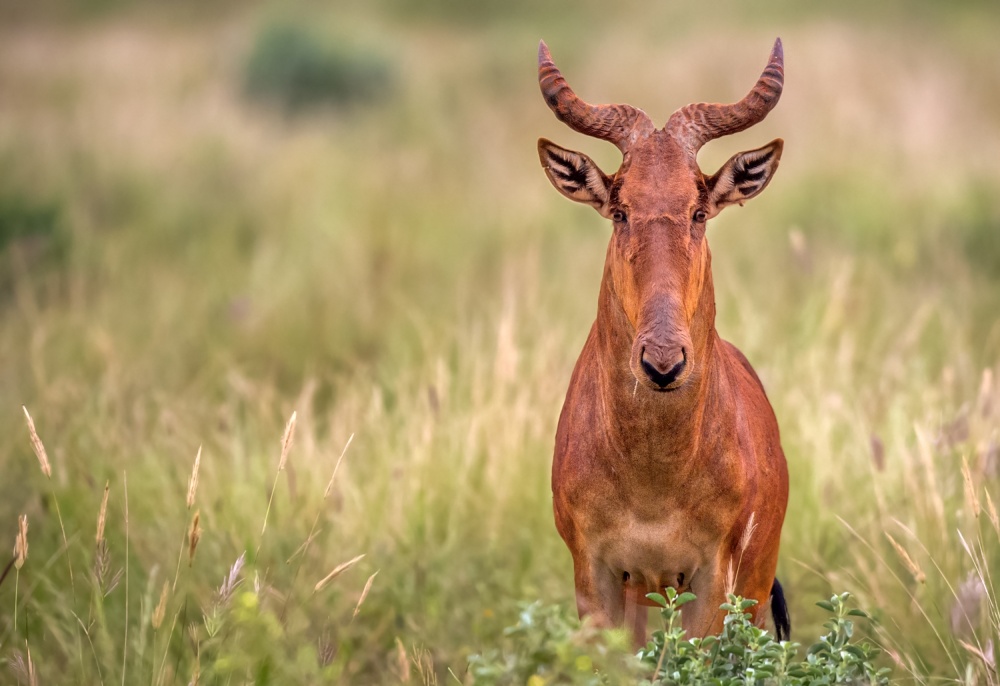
x=667 y=450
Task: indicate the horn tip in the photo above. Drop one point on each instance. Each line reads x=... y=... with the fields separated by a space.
x=778 y=51
x=543 y=51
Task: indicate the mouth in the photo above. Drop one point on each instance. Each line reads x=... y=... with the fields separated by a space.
x=676 y=386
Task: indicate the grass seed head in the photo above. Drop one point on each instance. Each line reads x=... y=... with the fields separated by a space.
x=991 y=512
x=21 y=542
x=194 y=535
x=730 y=578
x=986 y=393
x=161 y=607
x=971 y=497
x=286 y=441
x=364 y=594
x=402 y=662
x=913 y=567
x=329 y=486
x=232 y=580
x=748 y=532
x=986 y=655
x=32 y=676
x=36 y=444
x=193 y=482
x=337 y=571
x=325 y=650
x=102 y=515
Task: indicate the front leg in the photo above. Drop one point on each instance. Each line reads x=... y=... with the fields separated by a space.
x=600 y=593
x=604 y=596
x=702 y=617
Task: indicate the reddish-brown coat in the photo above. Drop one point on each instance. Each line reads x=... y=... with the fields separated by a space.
x=667 y=444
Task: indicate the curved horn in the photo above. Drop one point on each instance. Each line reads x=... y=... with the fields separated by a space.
x=696 y=124
x=620 y=124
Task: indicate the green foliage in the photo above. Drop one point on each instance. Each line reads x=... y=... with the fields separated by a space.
x=747 y=654
x=33 y=229
x=297 y=68
x=546 y=647
x=979 y=228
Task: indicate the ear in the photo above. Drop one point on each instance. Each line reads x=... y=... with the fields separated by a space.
x=743 y=176
x=575 y=175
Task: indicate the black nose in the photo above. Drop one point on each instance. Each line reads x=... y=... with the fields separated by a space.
x=662 y=379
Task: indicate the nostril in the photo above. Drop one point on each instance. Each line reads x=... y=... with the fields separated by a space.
x=663 y=379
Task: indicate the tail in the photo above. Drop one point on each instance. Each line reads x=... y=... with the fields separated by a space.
x=779 y=612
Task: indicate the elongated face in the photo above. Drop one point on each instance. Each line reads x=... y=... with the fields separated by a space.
x=658 y=203
x=658 y=258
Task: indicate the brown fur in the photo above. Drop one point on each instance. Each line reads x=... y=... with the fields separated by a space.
x=654 y=483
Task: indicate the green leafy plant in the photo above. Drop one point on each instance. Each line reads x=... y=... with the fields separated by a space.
x=547 y=647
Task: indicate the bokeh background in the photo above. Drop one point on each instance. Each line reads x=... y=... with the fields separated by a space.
x=215 y=215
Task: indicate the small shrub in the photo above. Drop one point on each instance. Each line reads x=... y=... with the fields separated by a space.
x=296 y=68
x=546 y=647
x=31 y=233
x=979 y=227
x=22 y=218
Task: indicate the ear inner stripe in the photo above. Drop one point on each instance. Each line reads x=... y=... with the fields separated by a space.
x=752 y=176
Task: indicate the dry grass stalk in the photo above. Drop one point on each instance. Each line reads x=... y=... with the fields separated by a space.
x=337 y=571
x=931 y=490
x=102 y=515
x=403 y=662
x=748 y=532
x=986 y=656
x=971 y=498
x=161 y=607
x=730 y=578
x=21 y=542
x=364 y=594
x=425 y=666
x=193 y=482
x=36 y=443
x=286 y=441
x=194 y=535
x=991 y=511
x=32 y=677
x=986 y=392
x=125 y=640
x=232 y=580
x=913 y=567
x=325 y=650
x=286 y=445
x=196 y=670
x=23 y=669
x=329 y=486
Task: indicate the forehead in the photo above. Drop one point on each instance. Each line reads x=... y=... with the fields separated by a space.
x=658 y=177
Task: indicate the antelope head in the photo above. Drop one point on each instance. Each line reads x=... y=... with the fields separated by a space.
x=658 y=262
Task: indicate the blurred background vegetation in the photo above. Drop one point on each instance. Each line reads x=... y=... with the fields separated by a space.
x=213 y=215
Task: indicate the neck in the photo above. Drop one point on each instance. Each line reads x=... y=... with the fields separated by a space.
x=655 y=430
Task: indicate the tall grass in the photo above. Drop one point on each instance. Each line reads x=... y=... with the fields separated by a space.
x=402 y=273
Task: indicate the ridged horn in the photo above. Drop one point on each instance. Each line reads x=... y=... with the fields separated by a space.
x=620 y=124
x=696 y=124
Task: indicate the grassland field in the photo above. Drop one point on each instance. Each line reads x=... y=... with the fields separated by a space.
x=183 y=266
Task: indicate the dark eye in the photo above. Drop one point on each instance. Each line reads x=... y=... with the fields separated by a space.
x=700 y=216
x=618 y=217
